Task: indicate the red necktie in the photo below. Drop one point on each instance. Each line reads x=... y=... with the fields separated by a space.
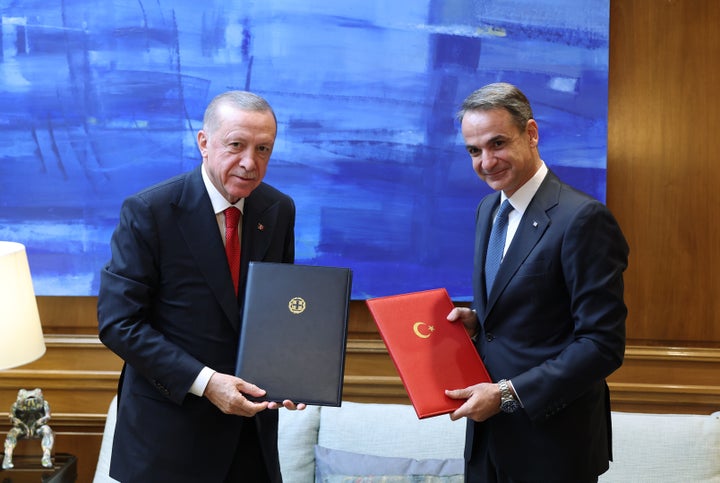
x=232 y=243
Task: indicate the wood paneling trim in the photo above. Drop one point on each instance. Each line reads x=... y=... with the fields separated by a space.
x=73 y=340
x=686 y=354
x=68 y=422
x=652 y=379
x=665 y=398
x=61 y=379
x=632 y=352
x=366 y=346
x=692 y=354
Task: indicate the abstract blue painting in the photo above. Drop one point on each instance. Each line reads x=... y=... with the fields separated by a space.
x=101 y=98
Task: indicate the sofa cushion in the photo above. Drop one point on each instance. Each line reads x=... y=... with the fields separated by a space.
x=336 y=466
x=390 y=430
x=297 y=436
x=672 y=448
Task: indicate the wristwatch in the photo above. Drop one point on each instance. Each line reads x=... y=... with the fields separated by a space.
x=508 y=403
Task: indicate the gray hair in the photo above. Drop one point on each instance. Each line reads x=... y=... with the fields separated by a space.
x=243 y=100
x=500 y=95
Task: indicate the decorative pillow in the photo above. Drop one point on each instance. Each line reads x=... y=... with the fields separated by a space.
x=336 y=466
x=390 y=430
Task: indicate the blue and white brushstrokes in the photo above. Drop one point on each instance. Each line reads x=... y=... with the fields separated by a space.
x=100 y=98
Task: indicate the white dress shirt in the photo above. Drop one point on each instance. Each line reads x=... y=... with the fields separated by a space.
x=220 y=204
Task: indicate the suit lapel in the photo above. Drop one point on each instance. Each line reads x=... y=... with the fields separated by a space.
x=482 y=235
x=260 y=218
x=530 y=231
x=197 y=222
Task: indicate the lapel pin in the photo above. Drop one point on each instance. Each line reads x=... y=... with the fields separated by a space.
x=261 y=227
x=535 y=224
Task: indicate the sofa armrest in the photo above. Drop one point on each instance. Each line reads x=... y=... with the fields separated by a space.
x=102 y=471
x=672 y=448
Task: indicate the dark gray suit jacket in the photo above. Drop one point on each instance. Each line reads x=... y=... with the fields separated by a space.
x=555 y=325
x=167 y=307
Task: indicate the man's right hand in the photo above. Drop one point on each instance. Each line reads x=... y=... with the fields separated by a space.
x=482 y=401
x=228 y=394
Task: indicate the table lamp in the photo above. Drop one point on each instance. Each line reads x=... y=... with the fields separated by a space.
x=21 y=337
x=21 y=342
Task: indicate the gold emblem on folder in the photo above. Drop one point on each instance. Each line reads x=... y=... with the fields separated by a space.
x=423 y=335
x=297 y=305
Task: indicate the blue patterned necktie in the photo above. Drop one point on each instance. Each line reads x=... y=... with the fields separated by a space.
x=496 y=245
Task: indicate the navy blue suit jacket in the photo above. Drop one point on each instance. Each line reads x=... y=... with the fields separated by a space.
x=554 y=323
x=167 y=307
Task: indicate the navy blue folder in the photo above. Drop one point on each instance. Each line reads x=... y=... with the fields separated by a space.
x=294 y=332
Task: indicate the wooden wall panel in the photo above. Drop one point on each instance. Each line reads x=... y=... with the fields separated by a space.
x=68 y=315
x=663 y=174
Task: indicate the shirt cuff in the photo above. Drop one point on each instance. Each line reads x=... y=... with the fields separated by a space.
x=201 y=382
x=517 y=396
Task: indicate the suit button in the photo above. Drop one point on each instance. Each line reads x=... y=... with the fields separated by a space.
x=489 y=337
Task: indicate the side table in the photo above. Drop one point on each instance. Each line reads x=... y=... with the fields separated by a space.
x=29 y=470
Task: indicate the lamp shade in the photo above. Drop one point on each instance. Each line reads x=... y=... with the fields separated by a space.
x=21 y=337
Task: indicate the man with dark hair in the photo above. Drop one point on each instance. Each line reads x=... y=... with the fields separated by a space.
x=548 y=315
x=170 y=305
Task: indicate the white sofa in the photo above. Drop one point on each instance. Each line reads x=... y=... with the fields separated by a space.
x=376 y=440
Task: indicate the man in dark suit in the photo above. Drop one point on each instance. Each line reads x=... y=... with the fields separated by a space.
x=170 y=306
x=551 y=326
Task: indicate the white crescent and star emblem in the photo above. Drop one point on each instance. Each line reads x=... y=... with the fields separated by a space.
x=425 y=333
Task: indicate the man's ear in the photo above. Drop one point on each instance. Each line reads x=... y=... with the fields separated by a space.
x=202 y=142
x=533 y=133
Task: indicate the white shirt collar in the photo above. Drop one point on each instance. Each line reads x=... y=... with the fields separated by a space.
x=524 y=195
x=218 y=201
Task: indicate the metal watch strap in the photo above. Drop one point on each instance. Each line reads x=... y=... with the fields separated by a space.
x=508 y=402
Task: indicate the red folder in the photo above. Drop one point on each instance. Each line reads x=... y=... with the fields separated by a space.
x=430 y=353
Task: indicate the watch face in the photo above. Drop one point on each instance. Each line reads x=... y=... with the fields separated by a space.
x=509 y=406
